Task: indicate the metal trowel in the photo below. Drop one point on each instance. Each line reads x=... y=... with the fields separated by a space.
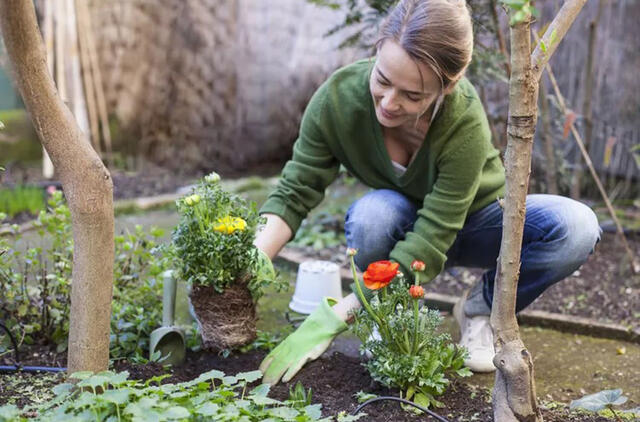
x=168 y=339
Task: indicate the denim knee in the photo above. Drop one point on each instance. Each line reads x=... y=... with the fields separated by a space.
x=376 y=222
x=583 y=233
x=571 y=231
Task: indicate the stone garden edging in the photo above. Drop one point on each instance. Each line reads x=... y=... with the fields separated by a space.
x=556 y=321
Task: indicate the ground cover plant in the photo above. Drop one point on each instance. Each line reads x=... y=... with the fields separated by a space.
x=405 y=350
x=36 y=281
x=606 y=402
x=110 y=396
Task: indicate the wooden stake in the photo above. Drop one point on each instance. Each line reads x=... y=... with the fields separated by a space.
x=87 y=78
x=76 y=92
x=47 y=165
x=635 y=265
x=97 y=80
x=550 y=167
x=60 y=49
x=576 y=182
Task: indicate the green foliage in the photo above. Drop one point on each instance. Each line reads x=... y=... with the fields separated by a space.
x=213 y=243
x=211 y=396
x=36 y=284
x=604 y=402
x=414 y=358
x=299 y=395
x=22 y=199
x=324 y=229
x=267 y=341
x=136 y=307
x=317 y=236
x=521 y=9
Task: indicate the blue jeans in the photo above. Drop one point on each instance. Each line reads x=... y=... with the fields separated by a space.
x=559 y=235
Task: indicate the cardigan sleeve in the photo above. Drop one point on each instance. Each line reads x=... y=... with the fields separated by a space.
x=311 y=169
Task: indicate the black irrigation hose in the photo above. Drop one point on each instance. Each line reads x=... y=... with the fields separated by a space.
x=427 y=411
x=17 y=366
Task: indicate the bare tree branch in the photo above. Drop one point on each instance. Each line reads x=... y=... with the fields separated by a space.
x=554 y=34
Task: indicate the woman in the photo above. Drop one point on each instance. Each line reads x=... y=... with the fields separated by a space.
x=409 y=125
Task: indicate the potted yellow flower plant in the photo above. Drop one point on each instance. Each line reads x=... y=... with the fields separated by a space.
x=213 y=247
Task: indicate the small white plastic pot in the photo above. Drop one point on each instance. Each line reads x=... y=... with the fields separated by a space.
x=316 y=279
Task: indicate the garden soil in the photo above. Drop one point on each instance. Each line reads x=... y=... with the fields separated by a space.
x=334 y=381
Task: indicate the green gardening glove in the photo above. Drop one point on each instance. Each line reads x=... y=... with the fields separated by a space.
x=264 y=267
x=307 y=343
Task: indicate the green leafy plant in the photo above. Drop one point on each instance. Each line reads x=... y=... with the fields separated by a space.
x=300 y=396
x=110 y=396
x=406 y=350
x=213 y=243
x=36 y=281
x=266 y=340
x=136 y=307
x=20 y=199
x=604 y=402
x=521 y=9
x=36 y=284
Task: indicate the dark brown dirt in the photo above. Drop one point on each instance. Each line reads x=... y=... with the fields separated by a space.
x=336 y=379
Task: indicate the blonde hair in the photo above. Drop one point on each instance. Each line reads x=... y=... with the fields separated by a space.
x=437 y=33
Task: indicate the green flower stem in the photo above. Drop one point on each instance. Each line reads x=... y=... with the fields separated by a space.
x=196 y=210
x=415 y=316
x=364 y=301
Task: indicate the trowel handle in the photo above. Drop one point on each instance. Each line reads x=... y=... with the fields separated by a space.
x=168 y=299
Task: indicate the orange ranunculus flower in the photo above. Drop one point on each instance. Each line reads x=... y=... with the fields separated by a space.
x=379 y=274
x=416 y=292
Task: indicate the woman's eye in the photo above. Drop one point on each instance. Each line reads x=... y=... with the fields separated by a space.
x=413 y=98
x=382 y=82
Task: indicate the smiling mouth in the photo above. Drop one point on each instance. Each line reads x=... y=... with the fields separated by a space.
x=386 y=114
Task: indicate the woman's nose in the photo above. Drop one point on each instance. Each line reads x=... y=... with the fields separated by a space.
x=390 y=101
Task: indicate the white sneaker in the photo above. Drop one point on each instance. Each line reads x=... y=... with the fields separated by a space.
x=477 y=337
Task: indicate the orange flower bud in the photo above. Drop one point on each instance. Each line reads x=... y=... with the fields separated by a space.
x=416 y=292
x=418 y=266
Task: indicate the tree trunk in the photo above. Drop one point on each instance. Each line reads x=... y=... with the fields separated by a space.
x=514 y=390
x=514 y=393
x=86 y=182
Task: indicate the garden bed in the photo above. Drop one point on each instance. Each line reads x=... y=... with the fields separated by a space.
x=335 y=380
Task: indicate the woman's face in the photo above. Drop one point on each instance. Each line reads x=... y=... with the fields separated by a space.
x=399 y=93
